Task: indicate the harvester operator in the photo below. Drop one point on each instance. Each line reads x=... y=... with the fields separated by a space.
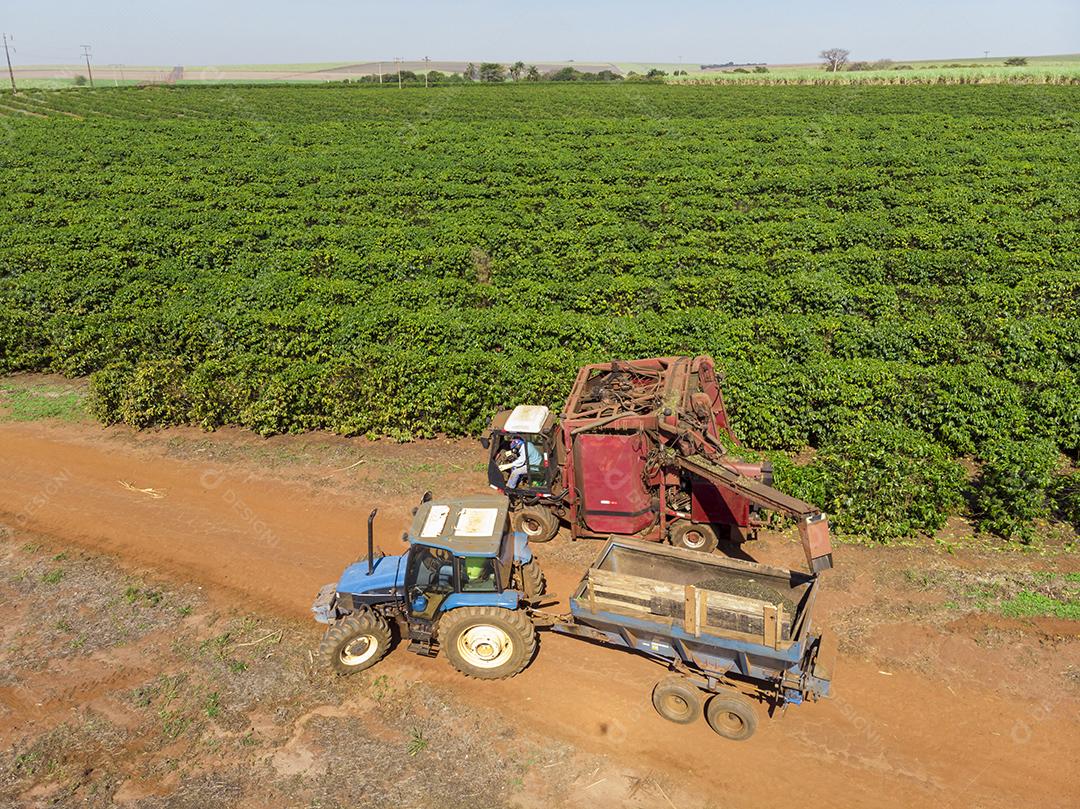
x=526 y=456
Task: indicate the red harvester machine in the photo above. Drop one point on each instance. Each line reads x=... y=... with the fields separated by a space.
x=637 y=452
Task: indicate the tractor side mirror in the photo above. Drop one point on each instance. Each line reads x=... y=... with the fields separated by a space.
x=426 y=497
x=404 y=536
x=485 y=442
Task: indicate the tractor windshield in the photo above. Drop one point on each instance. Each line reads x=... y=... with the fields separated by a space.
x=431 y=570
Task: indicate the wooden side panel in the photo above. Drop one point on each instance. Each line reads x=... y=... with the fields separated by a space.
x=698 y=609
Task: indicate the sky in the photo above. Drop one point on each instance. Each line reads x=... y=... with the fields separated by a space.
x=221 y=32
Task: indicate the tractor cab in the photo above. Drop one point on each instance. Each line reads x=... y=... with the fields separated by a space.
x=461 y=552
x=528 y=428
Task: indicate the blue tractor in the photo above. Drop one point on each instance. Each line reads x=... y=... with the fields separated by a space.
x=463 y=587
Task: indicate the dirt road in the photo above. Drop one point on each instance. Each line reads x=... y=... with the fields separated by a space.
x=973 y=726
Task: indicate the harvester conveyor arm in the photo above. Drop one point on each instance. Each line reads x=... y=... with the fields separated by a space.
x=813 y=526
x=757 y=492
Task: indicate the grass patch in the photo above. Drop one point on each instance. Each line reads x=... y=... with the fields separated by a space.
x=1024 y=594
x=1027 y=604
x=41 y=401
x=417 y=742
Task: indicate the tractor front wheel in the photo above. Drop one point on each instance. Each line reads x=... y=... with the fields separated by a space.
x=537 y=523
x=489 y=643
x=355 y=643
x=693 y=536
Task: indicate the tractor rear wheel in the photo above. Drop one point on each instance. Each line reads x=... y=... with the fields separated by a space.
x=677 y=700
x=489 y=643
x=355 y=643
x=533 y=583
x=693 y=536
x=537 y=523
x=731 y=715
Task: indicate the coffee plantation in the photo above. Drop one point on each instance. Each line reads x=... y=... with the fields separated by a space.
x=889 y=276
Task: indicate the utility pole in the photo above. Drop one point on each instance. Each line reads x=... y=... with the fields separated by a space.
x=86 y=53
x=11 y=73
x=427 y=61
x=399 y=60
x=380 y=72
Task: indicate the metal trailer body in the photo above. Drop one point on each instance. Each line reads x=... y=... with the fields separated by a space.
x=677 y=607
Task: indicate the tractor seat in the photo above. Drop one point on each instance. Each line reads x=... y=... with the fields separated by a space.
x=445 y=578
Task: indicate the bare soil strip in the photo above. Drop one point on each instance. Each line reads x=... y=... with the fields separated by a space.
x=928 y=710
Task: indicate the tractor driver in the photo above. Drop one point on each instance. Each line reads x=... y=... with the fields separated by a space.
x=526 y=456
x=479 y=574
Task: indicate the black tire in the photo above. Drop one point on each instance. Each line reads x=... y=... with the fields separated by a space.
x=693 y=536
x=533 y=582
x=489 y=643
x=677 y=700
x=732 y=716
x=537 y=523
x=355 y=643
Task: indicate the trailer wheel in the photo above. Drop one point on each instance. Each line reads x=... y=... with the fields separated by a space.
x=693 y=536
x=489 y=643
x=732 y=716
x=539 y=524
x=355 y=643
x=533 y=583
x=677 y=700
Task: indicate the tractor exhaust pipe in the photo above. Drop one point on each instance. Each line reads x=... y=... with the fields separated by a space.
x=371 y=541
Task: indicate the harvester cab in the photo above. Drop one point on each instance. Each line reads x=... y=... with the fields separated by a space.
x=463 y=586
x=534 y=426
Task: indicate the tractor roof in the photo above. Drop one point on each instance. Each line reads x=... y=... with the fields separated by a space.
x=466 y=526
x=523 y=419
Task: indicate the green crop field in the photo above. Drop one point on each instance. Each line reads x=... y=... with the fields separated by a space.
x=889 y=276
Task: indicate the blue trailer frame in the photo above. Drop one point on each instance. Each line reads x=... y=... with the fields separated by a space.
x=776 y=661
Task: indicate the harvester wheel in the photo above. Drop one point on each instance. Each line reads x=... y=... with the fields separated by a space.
x=539 y=524
x=731 y=715
x=489 y=643
x=693 y=536
x=677 y=700
x=533 y=583
x=355 y=643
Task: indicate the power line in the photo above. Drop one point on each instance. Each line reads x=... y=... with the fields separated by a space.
x=86 y=53
x=11 y=73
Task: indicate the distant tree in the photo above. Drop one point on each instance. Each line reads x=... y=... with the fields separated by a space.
x=761 y=69
x=859 y=66
x=492 y=72
x=834 y=58
x=563 y=74
x=470 y=72
x=1016 y=61
x=883 y=64
x=655 y=73
x=80 y=80
x=434 y=76
x=532 y=74
x=517 y=70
